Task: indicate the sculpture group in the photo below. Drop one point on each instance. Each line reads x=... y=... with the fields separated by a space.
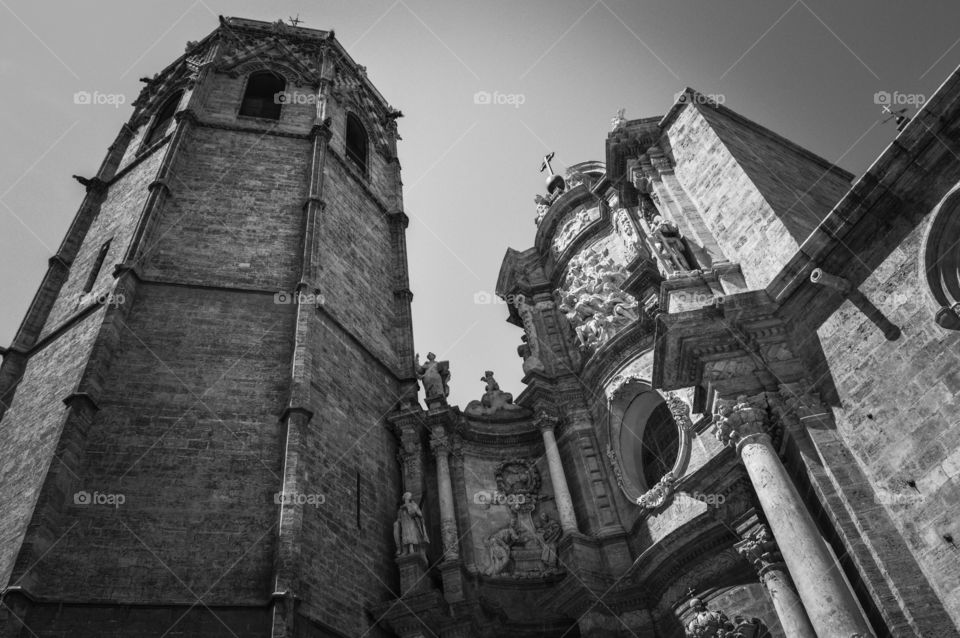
x=593 y=299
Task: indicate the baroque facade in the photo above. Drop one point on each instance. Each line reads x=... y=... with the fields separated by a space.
x=741 y=377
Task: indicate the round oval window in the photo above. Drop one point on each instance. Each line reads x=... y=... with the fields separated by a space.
x=649 y=441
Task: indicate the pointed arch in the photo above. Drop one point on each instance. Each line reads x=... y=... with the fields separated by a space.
x=357 y=142
x=261 y=96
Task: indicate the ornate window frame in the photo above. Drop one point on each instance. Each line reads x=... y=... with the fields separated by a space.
x=647 y=496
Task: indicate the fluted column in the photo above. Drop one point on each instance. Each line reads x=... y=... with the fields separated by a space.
x=440 y=444
x=830 y=605
x=761 y=550
x=568 y=521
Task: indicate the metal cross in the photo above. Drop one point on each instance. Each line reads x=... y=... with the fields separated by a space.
x=546 y=163
x=295 y=21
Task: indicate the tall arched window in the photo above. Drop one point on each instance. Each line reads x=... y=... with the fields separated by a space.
x=262 y=95
x=161 y=121
x=356 y=142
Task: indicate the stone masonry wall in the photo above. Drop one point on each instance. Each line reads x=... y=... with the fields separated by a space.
x=31 y=428
x=745 y=186
x=898 y=410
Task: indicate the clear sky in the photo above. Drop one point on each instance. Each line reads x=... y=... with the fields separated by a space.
x=808 y=69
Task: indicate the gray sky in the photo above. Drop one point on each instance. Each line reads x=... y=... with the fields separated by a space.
x=808 y=69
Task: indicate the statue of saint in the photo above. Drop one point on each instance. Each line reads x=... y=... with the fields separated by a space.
x=409 y=530
x=434 y=375
x=548 y=535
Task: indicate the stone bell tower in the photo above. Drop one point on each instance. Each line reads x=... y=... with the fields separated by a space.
x=193 y=410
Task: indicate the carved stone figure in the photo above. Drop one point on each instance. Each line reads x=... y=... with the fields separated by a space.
x=573 y=226
x=434 y=375
x=627 y=233
x=669 y=244
x=548 y=535
x=498 y=547
x=708 y=624
x=493 y=400
x=618 y=120
x=593 y=299
x=716 y=624
x=409 y=531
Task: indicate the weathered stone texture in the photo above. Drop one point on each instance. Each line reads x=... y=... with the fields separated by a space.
x=746 y=185
x=31 y=429
x=899 y=406
x=116 y=220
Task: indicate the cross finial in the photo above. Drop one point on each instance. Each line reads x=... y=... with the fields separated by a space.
x=690 y=592
x=295 y=21
x=546 y=162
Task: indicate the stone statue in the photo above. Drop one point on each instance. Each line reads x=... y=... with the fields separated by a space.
x=669 y=244
x=498 y=547
x=434 y=375
x=493 y=400
x=618 y=120
x=548 y=535
x=409 y=530
x=708 y=624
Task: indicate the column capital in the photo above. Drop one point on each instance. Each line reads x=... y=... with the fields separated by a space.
x=743 y=420
x=760 y=549
x=545 y=421
x=440 y=443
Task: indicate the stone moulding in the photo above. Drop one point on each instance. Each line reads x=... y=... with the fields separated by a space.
x=660 y=494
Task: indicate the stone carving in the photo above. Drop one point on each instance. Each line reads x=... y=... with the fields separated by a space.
x=743 y=419
x=543 y=205
x=530 y=348
x=409 y=531
x=716 y=624
x=498 y=547
x=760 y=549
x=669 y=245
x=435 y=376
x=519 y=477
x=615 y=466
x=659 y=493
x=618 y=120
x=548 y=535
x=593 y=299
x=494 y=400
x=627 y=232
x=573 y=226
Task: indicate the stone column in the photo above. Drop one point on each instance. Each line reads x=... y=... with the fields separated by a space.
x=440 y=444
x=831 y=607
x=568 y=521
x=761 y=550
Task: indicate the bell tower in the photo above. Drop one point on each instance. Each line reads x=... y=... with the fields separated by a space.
x=194 y=407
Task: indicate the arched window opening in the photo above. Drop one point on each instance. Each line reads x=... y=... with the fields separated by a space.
x=161 y=121
x=356 y=142
x=262 y=96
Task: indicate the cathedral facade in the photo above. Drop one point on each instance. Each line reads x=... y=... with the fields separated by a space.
x=741 y=371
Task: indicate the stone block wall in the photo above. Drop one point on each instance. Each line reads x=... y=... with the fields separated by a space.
x=758 y=195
